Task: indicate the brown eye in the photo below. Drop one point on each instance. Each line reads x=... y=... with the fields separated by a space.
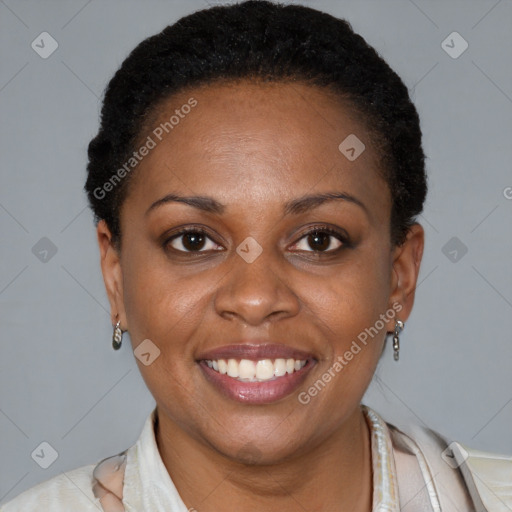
x=191 y=240
x=321 y=240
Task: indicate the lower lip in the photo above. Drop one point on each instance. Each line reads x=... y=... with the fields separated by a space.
x=257 y=392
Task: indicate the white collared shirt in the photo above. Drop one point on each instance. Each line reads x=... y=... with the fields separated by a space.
x=148 y=486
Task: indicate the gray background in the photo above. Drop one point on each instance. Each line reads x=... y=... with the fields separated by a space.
x=60 y=380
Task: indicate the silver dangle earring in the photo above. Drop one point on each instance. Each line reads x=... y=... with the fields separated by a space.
x=117 y=336
x=399 y=325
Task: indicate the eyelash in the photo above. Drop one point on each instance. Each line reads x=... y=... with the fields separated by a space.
x=340 y=236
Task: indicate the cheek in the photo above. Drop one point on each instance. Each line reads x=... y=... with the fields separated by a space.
x=346 y=309
x=166 y=303
x=353 y=296
x=160 y=301
x=166 y=308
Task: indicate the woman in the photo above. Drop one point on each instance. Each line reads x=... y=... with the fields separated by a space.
x=255 y=183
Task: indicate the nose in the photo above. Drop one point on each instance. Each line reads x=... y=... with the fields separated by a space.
x=256 y=292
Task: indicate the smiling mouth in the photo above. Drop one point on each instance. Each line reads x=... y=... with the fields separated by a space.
x=255 y=371
x=262 y=370
x=256 y=382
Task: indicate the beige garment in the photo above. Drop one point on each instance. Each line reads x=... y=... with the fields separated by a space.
x=409 y=475
x=460 y=478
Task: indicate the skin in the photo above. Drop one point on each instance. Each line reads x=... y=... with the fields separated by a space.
x=253 y=147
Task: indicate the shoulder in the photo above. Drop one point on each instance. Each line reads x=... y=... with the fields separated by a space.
x=486 y=476
x=71 y=490
x=81 y=489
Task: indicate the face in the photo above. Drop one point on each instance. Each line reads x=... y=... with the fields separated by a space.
x=263 y=274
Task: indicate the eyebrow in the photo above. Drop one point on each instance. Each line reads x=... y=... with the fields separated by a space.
x=294 y=207
x=306 y=203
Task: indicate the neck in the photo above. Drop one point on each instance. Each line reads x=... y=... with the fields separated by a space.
x=334 y=475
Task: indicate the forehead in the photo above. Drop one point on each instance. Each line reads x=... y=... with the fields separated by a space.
x=248 y=142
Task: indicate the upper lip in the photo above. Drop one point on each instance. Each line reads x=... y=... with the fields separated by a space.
x=255 y=350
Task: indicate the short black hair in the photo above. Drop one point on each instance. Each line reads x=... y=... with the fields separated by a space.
x=259 y=40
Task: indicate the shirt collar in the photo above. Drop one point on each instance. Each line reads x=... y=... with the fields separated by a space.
x=148 y=486
x=385 y=482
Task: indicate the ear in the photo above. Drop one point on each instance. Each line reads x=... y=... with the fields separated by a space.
x=112 y=274
x=406 y=260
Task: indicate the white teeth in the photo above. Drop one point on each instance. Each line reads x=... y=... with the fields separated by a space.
x=233 y=368
x=223 y=366
x=279 y=367
x=264 y=369
x=256 y=371
x=246 y=369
